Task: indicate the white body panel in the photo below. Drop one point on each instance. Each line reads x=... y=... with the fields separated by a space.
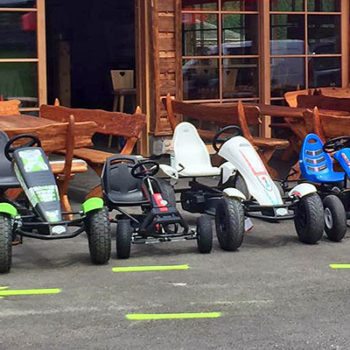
x=302 y=190
x=239 y=152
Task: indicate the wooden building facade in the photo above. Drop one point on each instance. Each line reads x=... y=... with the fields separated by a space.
x=196 y=50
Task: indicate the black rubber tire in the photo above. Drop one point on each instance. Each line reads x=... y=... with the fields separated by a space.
x=168 y=192
x=123 y=238
x=5 y=243
x=204 y=234
x=98 y=230
x=309 y=219
x=335 y=218
x=241 y=185
x=229 y=222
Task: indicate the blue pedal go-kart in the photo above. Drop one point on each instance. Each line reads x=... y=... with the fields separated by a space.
x=316 y=165
x=23 y=164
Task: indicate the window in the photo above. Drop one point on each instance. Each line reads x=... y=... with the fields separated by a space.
x=305 y=45
x=20 y=51
x=224 y=60
x=220 y=49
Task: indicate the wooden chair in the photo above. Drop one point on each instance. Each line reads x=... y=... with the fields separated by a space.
x=109 y=123
x=325 y=125
x=9 y=107
x=266 y=146
x=291 y=96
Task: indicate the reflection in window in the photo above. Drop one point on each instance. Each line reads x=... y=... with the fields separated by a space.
x=239 y=5
x=18 y=35
x=240 y=77
x=288 y=32
x=19 y=80
x=287 y=74
x=323 y=5
x=200 y=79
x=18 y=3
x=324 y=34
x=324 y=71
x=199 y=5
x=240 y=34
x=287 y=5
x=199 y=34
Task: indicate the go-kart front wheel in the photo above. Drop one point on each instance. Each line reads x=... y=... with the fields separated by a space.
x=123 y=238
x=204 y=234
x=334 y=218
x=229 y=222
x=5 y=243
x=309 y=219
x=98 y=230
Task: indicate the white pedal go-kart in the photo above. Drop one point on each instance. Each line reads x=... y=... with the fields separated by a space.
x=245 y=188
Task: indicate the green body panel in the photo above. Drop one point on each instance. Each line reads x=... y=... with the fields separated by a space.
x=92 y=204
x=7 y=208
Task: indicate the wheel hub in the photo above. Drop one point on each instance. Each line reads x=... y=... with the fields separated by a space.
x=328 y=218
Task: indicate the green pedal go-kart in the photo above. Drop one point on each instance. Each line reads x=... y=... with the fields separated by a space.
x=23 y=164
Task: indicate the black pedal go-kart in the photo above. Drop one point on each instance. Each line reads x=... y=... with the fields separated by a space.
x=129 y=184
x=23 y=164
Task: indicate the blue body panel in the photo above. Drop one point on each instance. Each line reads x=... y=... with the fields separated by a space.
x=343 y=158
x=315 y=164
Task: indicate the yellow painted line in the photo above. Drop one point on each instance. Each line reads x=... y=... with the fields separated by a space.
x=150 y=268
x=179 y=316
x=339 y=266
x=15 y=292
x=2 y=288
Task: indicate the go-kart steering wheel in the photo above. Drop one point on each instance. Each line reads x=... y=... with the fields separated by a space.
x=9 y=149
x=218 y=141
x=145 y=168
x=336 y=143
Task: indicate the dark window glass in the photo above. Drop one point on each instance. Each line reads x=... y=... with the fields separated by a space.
x=324 y=71
x=199 y=5
x=323 y=5
x=239 y=5
x=240 y=35
x=240 y=78
x=18 y=35
x=18 y=3
x=287 y=74
x=287 y=5
x=199 y=34
x=200 y=79
x=324 y=34
x=20 y=81
x=287 y=34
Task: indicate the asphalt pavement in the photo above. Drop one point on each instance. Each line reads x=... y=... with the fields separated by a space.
x=274 y=293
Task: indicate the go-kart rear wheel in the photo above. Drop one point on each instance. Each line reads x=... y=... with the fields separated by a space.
x=229 y=222
x=98 y=230
x=309 y=219
x=123 y=238
x=204 y=234
x=334 y=218
x=6 y=229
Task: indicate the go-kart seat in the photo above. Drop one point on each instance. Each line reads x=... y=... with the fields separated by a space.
x=8 y=178
x=191 y=157
x=119 y=186
x=315 y=164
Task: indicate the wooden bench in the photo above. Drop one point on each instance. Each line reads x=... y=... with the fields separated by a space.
x=62 y=136
x=245 y=116
x=108 y=123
